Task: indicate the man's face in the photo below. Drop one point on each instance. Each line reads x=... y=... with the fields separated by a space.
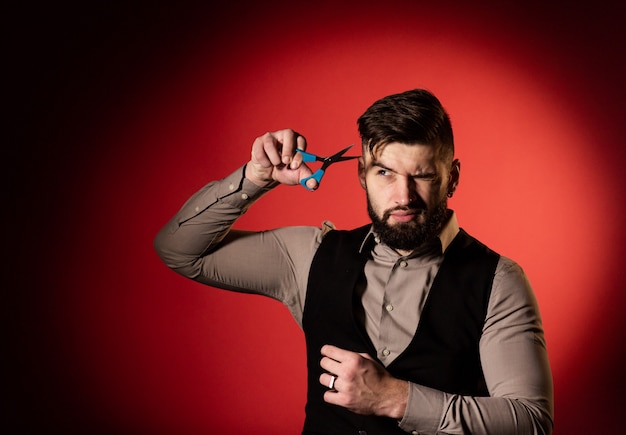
x=407 y=187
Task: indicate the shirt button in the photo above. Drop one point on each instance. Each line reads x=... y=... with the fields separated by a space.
x=403 y=263
x=197 y=209
x=231 y=186
x=389 y=307
x=415 y=433
x=244 y=196
x=386 y=352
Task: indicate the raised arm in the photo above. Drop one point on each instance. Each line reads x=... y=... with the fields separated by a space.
x=198 y=241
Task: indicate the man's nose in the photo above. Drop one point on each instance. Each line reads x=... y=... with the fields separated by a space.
x=405 y=192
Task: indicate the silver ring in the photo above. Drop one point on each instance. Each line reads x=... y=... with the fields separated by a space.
x=331 y=384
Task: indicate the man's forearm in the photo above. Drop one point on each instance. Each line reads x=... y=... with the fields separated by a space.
x=431 y=412
x=516 y=368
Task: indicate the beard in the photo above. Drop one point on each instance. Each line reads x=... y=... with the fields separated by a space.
x=408 y=236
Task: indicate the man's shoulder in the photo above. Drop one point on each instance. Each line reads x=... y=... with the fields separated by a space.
x=465 y=240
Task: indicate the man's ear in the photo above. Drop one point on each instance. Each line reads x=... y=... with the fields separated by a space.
x=455 y=174
x=362 y=172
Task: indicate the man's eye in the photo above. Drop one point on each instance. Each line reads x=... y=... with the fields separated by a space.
x=383 y=172
x=427 y=177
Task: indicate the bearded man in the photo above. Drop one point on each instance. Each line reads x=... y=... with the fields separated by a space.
x=411 y=324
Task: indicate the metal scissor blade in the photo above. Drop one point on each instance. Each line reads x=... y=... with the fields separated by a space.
x=338 y=157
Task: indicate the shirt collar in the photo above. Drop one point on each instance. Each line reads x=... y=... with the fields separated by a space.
x=447 y=234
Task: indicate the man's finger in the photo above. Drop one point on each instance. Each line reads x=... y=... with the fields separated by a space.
x=270 y=147
x=330 y=365
x=326 y=379
x=335 y=352
x=290 y=141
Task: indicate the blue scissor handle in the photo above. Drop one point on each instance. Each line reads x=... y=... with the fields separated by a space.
x=307 y=157
x=317 y=176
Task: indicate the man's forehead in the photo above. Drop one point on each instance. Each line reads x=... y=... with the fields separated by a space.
x=378 y=152
x=434 y=152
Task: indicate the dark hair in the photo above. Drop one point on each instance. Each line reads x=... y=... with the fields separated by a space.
x=411 y=117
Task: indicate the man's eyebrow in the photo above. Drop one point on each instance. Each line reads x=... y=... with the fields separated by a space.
x=428 y=174
x=380 y=165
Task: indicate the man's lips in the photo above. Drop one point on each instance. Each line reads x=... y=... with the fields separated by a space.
x=403 y=215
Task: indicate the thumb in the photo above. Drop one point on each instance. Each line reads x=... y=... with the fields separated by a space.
x=293 y=174
x=305 y=173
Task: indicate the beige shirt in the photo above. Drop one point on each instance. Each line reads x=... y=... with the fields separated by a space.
x=199 y=243
x=390 y=313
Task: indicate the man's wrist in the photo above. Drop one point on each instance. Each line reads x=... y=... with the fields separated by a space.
x=251 y=175
x=397 y=400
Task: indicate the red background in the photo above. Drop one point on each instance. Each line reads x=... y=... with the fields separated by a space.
x=119 y=113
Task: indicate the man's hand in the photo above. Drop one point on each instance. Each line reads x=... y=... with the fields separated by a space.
x=362 y=385
x=274 y=159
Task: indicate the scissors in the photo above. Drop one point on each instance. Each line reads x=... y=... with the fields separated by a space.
x=326 y=162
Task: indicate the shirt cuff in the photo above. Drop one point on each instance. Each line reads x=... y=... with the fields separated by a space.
x=424 y=410
x=239 y=192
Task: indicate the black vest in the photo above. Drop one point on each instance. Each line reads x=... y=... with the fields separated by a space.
x=444 y=351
